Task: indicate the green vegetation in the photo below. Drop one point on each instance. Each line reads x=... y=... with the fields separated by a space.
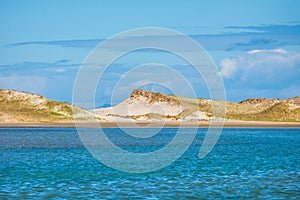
x=26 y=107
x=260 y=109
x=278 y=112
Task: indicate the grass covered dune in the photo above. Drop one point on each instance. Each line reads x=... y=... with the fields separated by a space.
x=145 y=109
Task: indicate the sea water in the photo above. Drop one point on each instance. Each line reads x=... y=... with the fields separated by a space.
x=52 y=163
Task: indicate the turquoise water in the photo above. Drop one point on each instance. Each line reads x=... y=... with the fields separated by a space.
x=246 y=163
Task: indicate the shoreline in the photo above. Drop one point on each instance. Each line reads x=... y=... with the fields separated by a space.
x=227 y=124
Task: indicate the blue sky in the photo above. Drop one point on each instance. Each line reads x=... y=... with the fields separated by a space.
x=255 y=44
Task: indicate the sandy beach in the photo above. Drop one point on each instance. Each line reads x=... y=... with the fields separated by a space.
x=228 y=124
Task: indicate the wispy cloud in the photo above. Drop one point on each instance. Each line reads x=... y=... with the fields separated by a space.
x=88 y=43
x=258 y=51
x=39 y=67
x=51 y=79
x=30 y=83
x=266 y=37
x=270 y=28
x=250 y=37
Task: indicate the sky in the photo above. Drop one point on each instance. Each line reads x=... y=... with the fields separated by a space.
x=255 y=44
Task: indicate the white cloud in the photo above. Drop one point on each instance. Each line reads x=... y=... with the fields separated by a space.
x=60 y=70
x=281 y=51
x=34 y=84
x=228 y=67
x=262 y=69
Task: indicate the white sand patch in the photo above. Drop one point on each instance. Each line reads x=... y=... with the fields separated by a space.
x=198 y=115
x=139 y=106
x=58 y=110
x=293 y=106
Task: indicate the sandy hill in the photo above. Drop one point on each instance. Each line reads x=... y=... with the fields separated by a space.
x=143 y=106
x=26 y=107
x=152 y=106
x=263 y=109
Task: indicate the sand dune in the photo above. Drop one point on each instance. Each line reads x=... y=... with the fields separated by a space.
x=154 y=106
x=143 y=107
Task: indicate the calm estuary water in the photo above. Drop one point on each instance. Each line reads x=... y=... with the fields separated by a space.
x=52 y=163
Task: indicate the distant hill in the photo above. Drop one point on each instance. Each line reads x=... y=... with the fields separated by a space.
x=152 y=106
x=263 y=109
x=26 y=107
x=144 y=106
